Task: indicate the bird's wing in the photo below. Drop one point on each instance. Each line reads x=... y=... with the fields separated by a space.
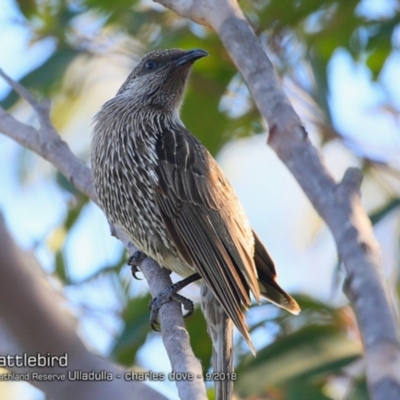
x=205 y=221
x=269 y=287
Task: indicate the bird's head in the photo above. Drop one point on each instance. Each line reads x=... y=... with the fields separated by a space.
x=160 y=77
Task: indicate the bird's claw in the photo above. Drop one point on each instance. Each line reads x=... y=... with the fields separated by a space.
x=164 y=297
x=134 y=261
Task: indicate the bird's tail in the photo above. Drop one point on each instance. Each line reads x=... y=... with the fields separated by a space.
x=220 y=328
x=269 y=288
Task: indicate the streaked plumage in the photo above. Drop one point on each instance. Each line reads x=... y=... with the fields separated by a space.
x=160 y=184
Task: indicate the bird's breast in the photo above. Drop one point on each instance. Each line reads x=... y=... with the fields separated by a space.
x=124 y=163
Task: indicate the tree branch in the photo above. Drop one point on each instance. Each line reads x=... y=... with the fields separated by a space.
x=47 y=143
x=338 y=204
x=36 y=323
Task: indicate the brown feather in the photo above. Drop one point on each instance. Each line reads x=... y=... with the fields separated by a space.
x=269 y=288
x=194 y=208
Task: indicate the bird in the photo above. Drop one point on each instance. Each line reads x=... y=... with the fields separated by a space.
x=160 y=185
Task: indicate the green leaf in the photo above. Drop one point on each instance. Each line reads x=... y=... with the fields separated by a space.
x=74 y=213
x=199 y=339
x=136 y=317
x=378 y=215
x=380 y=43
x=300 y=390
x=277 y=15
x=43 y=79
x=359 y=390
x=27 y=7
x=61 y=270
x=309 y=352
x=320 y=92
x=117 y=12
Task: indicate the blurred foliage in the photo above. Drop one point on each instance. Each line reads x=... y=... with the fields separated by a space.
x=308 y=356
x=44 y=80
x=310 y=350
x=383 y=211
x=136 y=329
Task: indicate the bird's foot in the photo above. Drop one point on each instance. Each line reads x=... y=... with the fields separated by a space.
x=134 y=261
x=171 y=294
x=163 y=298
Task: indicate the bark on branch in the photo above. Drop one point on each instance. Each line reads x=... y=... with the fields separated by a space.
x=338 y=204
x=47 y=143
x=34 y=321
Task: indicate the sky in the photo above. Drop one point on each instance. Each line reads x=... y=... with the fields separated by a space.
x=294 y=234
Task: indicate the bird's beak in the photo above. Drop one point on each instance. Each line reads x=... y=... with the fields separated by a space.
x=190 y=57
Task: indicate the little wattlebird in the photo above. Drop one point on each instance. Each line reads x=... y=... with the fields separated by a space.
x=157 y=182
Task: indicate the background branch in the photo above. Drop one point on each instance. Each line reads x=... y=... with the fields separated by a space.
x=338 y=204
x=47 y=143
x=34 y=321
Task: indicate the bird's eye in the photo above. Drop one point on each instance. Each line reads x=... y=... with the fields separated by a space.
x=151 y=65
